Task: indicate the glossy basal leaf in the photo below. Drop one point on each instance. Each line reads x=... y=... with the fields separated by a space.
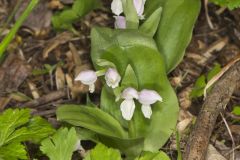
x=175 y=28
x=91 y=118
x=103 y=38
x=148 y=66
x=131 y=147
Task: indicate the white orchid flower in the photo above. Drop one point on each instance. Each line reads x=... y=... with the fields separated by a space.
x=120 y=22
x=116 y=7
x=146 y=98
x=127 y=107
x=112 y=77
x=139 y=6
x=88 y=77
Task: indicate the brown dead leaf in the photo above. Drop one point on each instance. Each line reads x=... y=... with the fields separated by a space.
x=55 y=42
x=3 y=102
x=33 y=90
x=184 y=98
x=12 y=74
x=181 y=126
x=40 y=18
x=55 y=4
x=76 y=57
x=60 y=78
x=213 y=154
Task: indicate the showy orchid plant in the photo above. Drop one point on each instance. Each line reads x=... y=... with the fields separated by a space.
x=138 y=107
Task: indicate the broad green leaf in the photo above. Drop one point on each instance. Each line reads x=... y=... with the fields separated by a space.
x=104 y=153
x=91 y=118
x=86 y=134
x=114 y=110
x=154 y=156
x=103 y=38
x=175 y=28
x=131 y=147
x=151 y=24
x=61 y=145
x=129 y=78
x=13 y=151
x=236 y=110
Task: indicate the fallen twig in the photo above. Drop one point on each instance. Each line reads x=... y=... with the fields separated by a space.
x=216 y=100
x=45 y=99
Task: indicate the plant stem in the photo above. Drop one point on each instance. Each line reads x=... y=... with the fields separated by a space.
x=7 y=39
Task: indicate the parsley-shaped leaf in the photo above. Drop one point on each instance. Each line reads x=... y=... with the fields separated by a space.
x=13 y=151
x=17 y=126
x=231 y=4
x=103 y=152
x=61 y=145
x=10 y=120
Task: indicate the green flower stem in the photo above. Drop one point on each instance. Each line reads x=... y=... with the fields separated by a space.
x=4 y=44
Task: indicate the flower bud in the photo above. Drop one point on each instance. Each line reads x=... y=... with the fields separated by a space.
x=112 y=78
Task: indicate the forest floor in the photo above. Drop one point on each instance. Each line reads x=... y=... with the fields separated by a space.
x=41 y=64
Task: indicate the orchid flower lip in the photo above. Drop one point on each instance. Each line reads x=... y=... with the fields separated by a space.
x=147 y=111
x=127 y=108
x=128 y=105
